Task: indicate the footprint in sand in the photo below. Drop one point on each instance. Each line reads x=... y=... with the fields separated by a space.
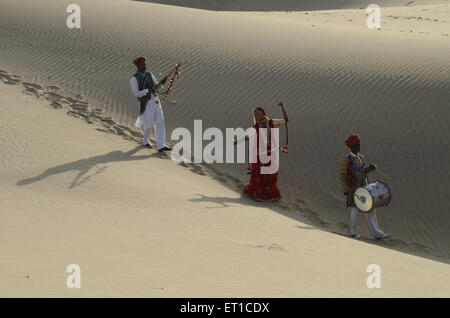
x=32 y=91
x=9 y=79
x=33 y=85
x=56 y=105
x=343 y=225
x=271 y=247
x=75 y=106
x=312 y=216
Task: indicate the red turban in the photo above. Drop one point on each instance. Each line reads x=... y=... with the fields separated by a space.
x=139 y=60
x=352 y=140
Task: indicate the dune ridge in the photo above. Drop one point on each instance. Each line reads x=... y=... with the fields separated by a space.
x=287 y=5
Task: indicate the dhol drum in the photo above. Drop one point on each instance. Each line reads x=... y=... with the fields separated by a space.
x=374 y=195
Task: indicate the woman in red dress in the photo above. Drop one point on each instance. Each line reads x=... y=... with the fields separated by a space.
x=263 y=186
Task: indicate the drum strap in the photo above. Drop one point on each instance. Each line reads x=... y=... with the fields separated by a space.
x=360 y=170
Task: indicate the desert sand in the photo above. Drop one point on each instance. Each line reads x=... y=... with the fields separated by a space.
x=79 y=189
x=141 y=226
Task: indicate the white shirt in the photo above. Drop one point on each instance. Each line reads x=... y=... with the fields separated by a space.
x=135 y=86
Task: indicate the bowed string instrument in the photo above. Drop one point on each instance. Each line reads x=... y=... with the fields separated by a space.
x=175 y=73
x=284 y=149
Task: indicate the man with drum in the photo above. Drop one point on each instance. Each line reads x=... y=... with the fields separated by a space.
x=354 y=175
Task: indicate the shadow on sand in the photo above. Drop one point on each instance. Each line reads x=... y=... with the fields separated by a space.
x=312 y=222
x=300 y=212
x=83 y=166
x=224 y=202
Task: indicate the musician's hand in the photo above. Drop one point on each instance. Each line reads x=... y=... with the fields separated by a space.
x=372 y=167
x=163 y=81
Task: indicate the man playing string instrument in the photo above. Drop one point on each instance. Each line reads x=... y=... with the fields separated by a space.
x=144 y=85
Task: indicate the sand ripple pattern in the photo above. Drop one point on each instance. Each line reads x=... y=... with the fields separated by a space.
x=393 y=91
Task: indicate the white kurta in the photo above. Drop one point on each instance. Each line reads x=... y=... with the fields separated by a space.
x=153 y=115
x=372 y=222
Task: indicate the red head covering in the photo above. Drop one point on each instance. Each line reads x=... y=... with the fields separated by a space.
x=352 y=140
x=139 y=60
x=263 y=111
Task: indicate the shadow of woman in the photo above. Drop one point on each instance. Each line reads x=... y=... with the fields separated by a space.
x=224 y=202
x=85 y=165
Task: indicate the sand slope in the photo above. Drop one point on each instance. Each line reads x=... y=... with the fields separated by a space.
x=335 y=75
x=140 y=226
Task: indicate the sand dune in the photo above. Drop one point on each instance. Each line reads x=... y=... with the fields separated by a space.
x=139 y=226
x=335 y=75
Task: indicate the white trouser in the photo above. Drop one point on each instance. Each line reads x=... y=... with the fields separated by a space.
x=371 y=222
x=152 y=116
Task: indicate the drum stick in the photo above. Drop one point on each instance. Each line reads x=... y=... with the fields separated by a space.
x=383 y=174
